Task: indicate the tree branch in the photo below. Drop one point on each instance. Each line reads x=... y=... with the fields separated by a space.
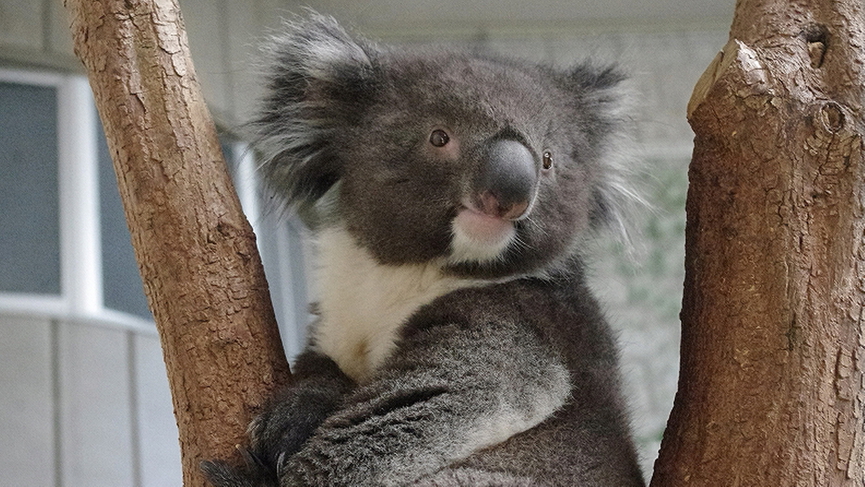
x=773 y=334
x=195 y=249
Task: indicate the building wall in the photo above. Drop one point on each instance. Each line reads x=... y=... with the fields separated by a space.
x=86 y=402
x=34 y=33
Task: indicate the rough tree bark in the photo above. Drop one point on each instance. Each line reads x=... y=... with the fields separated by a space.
x=196 y=251
x=771 y=388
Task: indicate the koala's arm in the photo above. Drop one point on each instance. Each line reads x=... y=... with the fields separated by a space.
x=317 y=389
x=447 y=392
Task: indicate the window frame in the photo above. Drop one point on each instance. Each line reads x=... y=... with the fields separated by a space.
x=81 y=266
x=80 y=298
x=283 y=243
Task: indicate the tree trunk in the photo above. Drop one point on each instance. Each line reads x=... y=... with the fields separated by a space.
x=195 y=249
x=771 y=386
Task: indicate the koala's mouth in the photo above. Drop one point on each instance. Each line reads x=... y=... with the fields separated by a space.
x=479 y=237
x=484 y=228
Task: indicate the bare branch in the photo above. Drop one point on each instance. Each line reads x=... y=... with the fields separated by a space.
x=773 y=342
x=195 y=249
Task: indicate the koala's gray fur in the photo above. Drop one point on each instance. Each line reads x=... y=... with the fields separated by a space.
x=457 y=342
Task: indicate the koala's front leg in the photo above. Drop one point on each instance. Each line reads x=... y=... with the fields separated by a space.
x=447 y=392
x=317 y=389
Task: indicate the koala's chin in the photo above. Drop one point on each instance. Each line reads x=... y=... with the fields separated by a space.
x=478 y=237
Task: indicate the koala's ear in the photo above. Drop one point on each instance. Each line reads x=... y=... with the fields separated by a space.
x=602 y=99
x=602 y=104
x=319 y=82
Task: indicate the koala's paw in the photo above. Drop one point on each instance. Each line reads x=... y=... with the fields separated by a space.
x=292 y=417
x=283 y=428
x=253 y=474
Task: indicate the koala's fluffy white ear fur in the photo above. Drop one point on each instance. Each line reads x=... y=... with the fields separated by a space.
x=457 y=343
x=311 y=69
x=322 y=49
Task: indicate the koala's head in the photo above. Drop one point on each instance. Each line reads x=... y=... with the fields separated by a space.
x=485 y=166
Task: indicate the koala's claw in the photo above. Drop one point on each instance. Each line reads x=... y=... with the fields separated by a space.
x=251 y=459
x=280 y=464
x=254 y=472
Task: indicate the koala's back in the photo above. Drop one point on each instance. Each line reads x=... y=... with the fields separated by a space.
x=586 y=441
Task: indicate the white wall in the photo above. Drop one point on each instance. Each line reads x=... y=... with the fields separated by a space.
x=84 y=404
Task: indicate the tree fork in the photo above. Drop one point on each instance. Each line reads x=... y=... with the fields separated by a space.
x=771 y=385
x=195 y=249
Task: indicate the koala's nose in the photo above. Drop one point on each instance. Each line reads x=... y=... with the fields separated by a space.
x=507 y=180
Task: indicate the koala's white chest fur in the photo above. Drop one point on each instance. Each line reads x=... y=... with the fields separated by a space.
x=364 y=303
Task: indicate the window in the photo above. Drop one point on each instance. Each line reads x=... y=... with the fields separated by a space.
x=65 y=249
x=30 y=235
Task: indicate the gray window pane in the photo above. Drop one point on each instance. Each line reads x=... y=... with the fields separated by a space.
x=121 y=282
x=29 y=221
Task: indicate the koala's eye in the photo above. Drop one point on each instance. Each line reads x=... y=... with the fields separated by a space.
x=439 y=138
x=548 y=159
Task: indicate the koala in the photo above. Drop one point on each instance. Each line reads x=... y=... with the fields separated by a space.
x=456 y=341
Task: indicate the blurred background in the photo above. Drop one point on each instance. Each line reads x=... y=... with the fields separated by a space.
x=83 y=394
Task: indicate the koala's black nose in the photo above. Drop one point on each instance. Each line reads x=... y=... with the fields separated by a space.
x=507 y=180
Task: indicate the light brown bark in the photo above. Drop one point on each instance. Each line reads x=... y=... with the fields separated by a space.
x=196 y=251
x=773 y=336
